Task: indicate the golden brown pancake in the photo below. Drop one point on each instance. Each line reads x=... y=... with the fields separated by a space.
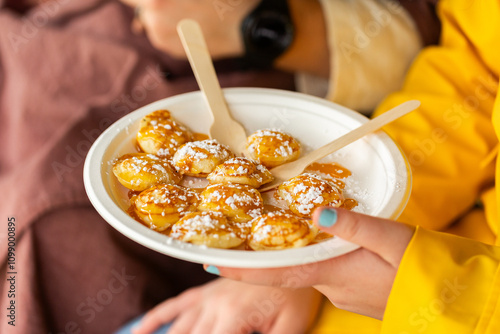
x=308 y=191
x=280 y=230
x=272 y=147
x=139 y=171
x=242 y=171
x=239 y=202
x=199 y=158
x=164 y=138
x=163 y=205
x=211 y=229
x=156 y=117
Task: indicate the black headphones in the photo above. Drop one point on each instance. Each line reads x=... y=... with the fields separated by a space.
x=267 y=33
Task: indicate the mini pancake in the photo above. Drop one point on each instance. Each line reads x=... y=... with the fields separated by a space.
x=155 y=118
x=280 y=230
x=272 y=147
x=164 y=138
x=139 y=171
x=163 y=205
x=199 y=158
x=308 y=191
x=239 y=202
x=242 y=171
x=211 y=229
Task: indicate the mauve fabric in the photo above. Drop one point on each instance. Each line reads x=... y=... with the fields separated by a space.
x=68 y=69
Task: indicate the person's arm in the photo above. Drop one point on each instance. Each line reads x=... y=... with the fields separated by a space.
x=359 y=281
x=445 y=284
x=416 y=281
x=227 y=306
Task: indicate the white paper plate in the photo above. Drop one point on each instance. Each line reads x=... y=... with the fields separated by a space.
x=380 y=179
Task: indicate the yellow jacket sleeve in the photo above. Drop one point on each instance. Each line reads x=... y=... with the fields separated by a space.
x=449 y=138
x=448 y=284
x=445 y=284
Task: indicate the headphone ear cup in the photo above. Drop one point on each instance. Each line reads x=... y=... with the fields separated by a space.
x=267 y=33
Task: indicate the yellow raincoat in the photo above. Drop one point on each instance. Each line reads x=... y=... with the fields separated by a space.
x=447 y=283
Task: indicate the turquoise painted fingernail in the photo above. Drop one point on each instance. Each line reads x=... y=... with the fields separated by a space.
x=213 y=270
x=327 y=217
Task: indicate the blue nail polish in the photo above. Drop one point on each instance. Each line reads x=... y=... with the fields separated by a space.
x=213 y=270
x=327 y=217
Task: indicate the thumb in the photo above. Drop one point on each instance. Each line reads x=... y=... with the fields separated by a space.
x=386 y=238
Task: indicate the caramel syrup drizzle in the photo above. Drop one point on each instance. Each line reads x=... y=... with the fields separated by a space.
x=334 y=172
x=200 y=136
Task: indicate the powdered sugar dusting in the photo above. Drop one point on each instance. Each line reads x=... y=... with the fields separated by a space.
x=284 y=144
